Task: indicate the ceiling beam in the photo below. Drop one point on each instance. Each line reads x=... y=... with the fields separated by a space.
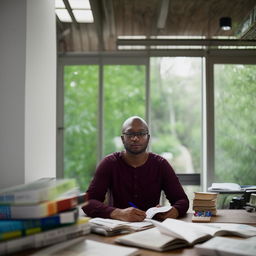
x=109 y=14
x=162 y=14
x=68 y=7
x=187 y=42
x=98 y=21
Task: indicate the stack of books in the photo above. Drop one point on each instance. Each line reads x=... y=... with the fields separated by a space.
x=204 y=205
x=40 y=213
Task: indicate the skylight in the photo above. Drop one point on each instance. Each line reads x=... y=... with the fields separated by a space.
x=81 y=10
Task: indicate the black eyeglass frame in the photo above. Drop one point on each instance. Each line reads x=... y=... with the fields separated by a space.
x=137 y=134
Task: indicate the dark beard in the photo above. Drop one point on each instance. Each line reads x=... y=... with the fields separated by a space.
x=135 y=152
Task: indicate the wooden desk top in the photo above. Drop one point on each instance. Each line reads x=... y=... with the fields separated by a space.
x=230 y=216
x=227 y=216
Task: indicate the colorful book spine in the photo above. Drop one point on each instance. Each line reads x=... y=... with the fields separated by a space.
x=40 y=210
x=17 y=228
x=46 y=238
x=45 y=189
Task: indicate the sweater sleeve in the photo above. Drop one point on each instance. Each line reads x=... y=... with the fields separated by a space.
x=97 y=192
x=173 y=190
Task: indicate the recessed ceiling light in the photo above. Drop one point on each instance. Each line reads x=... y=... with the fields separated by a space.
x=225 y=23
x=83 y=16
x=80 y=4
x=63 y=15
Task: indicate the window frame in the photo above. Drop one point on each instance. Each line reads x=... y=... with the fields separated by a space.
x=210 y=57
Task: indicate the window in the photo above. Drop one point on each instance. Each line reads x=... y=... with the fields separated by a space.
x=102 y=91
x=80 y=122
x=235 y=123
x=124 y=96
x=176 y=85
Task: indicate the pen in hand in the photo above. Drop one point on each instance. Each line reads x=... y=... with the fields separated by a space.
x=132 y=204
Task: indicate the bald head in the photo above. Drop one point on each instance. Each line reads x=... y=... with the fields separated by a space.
x=134 y=120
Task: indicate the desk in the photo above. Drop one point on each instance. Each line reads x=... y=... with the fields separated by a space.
x=230 y=216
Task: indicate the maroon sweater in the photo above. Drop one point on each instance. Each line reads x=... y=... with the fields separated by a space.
x=141 y=185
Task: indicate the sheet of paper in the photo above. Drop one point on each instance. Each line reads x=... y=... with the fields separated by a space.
x=154 y=210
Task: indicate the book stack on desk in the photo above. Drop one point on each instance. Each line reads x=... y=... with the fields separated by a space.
x=204 y=205
x=40 y=213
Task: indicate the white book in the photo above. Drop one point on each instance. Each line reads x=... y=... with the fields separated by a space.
x=225 y=186
x=44 y=189
x=45 y=238
x=172 y=234
x=222 y=246
x=81 y=247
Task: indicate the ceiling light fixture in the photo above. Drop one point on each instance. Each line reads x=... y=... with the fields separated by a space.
x=225 y=23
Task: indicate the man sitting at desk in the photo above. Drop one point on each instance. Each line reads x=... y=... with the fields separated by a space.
x=134 y=177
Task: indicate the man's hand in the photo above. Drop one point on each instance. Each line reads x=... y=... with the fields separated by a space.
x=128 y=214
x=173 y=213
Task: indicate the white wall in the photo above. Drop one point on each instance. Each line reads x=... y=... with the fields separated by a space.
x=27 y=91
x=40 y=101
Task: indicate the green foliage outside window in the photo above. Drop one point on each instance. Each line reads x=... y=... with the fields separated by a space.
x=235 y=123
x=171 y=96
x=124 y=96
x=80 y=122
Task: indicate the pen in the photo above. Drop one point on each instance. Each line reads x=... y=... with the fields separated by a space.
x=132 y=204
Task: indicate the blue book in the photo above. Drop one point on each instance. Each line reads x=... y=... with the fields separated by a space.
x=16 y=228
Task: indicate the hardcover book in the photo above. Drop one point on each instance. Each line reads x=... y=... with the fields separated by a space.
x=44 y=189
x=17 y=228
x=46 y=238
x=205 y=195
x=199 y=202
x=41 y=210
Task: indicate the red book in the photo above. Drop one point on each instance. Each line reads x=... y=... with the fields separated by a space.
x=43 y=209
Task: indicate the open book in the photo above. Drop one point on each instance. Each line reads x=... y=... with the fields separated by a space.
x=81 y=246
x=172 y=234
x=110 y=227
x=222 y=246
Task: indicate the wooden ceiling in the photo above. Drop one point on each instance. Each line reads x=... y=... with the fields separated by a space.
x=114 y=18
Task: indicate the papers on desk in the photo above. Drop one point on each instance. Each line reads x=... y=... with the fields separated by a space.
x=227 y=246
x=110 y=227
x=229 y=187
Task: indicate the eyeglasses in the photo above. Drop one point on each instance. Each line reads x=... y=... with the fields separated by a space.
x=139 y=135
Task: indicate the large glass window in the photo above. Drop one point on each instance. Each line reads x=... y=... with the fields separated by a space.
x=235 y=123
x=80 y=122
x=176 y=84
x=124 y=96
x=176 y=111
